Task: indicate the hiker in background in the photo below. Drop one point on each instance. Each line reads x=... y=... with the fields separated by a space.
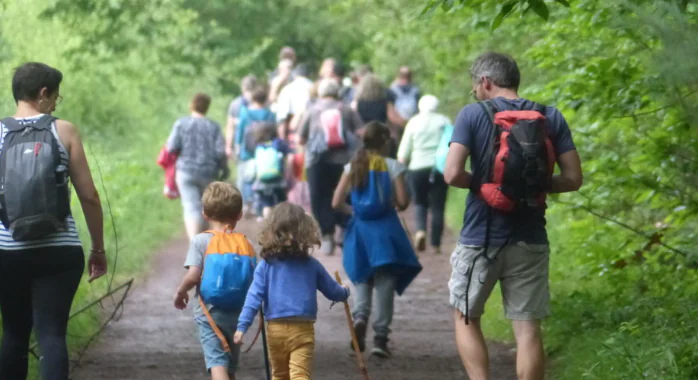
x=286 y=53
x=374 y=102
x=406 y=93
x=216 y=310
x=283 y=78
x=247 y=85
x=293 y=100
x=377 y=251
x=270 y=168
x=250 y=117
x=356 y=77
x=418 y=148
x=286 y=283
x=41 y=265
x=328 y=132
x=497 y=245
x=198 y=142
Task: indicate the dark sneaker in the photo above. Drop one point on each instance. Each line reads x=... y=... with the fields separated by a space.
x=380 y=348
x=360 y=329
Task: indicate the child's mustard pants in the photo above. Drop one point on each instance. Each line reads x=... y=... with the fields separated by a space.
x=291 y=347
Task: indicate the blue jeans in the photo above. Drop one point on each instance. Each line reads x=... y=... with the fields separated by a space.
x=214 y=355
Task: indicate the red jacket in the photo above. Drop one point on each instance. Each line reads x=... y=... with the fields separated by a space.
x=167 y=161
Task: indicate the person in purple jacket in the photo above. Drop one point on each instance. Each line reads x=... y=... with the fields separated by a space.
x=286 y=282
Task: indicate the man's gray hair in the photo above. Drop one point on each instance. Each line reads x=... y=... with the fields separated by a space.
x=328 y=87
x=500 y=68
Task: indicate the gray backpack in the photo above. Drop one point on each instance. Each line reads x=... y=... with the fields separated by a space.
x=34 y=195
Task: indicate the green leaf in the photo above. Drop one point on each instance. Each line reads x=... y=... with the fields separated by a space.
x=540 y=8
x=504 y=12
x=563 y=2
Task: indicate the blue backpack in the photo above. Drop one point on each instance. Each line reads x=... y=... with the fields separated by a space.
x=442 y=150
x=268 y=162
x=228 y=270
x=375 y=199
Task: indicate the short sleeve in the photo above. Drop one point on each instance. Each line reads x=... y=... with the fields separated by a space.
x=465 y=125
x=391 y=96
x=197 y=249
x=395 y=168
x=562 y=141
x=234 y=108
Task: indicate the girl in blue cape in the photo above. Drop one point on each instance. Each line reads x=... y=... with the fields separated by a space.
x=377 y=252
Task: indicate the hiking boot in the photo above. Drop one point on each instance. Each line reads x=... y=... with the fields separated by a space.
x=327 y=245
x=380 y=347
x=360 y=329
x=420 y=241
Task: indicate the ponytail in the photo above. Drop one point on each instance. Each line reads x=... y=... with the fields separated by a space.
x=376 y=135
x=359 y=168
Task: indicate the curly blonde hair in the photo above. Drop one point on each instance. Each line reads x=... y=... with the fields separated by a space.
x=288 y=233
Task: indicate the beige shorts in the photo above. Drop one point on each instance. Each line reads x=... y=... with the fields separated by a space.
x=521 y=269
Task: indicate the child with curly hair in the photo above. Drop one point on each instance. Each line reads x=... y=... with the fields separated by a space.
x=286 y=281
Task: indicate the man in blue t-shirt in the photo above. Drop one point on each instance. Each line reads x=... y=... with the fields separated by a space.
x=517 y=243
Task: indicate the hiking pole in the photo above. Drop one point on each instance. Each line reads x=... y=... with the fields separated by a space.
x=354 y=339
x=264 y=344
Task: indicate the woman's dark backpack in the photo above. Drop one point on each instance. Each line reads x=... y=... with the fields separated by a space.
x=34 y=196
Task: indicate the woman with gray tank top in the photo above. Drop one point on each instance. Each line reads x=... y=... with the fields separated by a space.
x=200 y=146
x=41 y=264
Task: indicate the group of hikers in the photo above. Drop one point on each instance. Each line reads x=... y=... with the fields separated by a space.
x=321 y=163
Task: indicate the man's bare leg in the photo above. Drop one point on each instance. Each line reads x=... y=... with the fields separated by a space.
x=530 y=357
x=472 y=347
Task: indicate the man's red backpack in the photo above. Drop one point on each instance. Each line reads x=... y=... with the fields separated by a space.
x=520 y=159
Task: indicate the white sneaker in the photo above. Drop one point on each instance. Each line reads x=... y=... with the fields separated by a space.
x=327 y=245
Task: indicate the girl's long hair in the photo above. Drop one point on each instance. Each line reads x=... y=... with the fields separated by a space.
x=376 y=135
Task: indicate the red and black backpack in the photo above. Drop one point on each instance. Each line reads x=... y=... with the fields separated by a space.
x=520 y=159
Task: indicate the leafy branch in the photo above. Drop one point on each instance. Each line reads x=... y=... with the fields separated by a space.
x=626 y=226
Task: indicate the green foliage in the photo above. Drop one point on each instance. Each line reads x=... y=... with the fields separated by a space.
x=623 y=270
x=624 y=265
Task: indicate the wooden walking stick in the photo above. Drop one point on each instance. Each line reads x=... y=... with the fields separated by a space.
x=354 y=339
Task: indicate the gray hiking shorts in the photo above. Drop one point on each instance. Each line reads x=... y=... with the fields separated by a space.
x=521 y=269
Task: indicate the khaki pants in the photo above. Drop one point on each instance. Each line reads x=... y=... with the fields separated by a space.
x=291 y=347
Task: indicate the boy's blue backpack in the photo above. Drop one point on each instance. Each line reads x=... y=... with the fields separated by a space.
x=268 y=162
x=229 y=264
x=442 y=150
x=375 y=199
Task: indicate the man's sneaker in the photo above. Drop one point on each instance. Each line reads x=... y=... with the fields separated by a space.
x=327 y=245
x=420 y=241
x=380 y=348
x=360 y=329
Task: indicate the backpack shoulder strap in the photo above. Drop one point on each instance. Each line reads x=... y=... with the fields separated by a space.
x=11 y=124
x=540 y=108
x=490 y=109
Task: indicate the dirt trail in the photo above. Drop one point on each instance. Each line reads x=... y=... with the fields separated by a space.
x=155 y=341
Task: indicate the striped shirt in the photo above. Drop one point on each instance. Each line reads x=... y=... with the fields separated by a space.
x=69 y=237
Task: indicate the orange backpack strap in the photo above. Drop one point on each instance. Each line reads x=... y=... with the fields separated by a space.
x=214 y=326
x=259 y=332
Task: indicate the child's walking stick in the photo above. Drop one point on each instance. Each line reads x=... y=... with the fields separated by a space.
x=264 y=344
x=354 y=339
